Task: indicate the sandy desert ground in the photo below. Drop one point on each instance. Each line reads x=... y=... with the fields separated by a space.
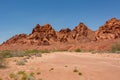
x=61 y=66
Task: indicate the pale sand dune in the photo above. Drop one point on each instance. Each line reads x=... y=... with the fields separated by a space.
x=92 y=66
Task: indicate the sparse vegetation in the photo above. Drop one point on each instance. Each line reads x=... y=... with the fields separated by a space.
x=66 y=66
x=38 y=73
x=75 y=70
x=51 y=69
x=13 y=76
x=32 y=51
x=80 y=73
x=1 y=79
x=21 y=72
x=29 y=53
x=36 y=51
x=23 y=75
x=38 y=55
x=40 y=79
x=21 y=62
x=2 y=61
x=116 y=47
x=44 y=51
x=30 y=78
x=78 y=50
x=58 y=50
x=18 y=54
x=6 y=53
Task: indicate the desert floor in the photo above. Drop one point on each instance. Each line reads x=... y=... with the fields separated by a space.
x=61 y=66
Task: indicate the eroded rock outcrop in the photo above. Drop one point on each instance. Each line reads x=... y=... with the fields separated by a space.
x=43 y=35
x=21 y=39
x=110 y=30
x=82 y=33
x=63 y=35
x=80 y=37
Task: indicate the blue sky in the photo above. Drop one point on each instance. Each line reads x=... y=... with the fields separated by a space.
x=20 y=16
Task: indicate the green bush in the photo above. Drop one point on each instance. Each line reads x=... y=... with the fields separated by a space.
x=24 y=75
x=115 y=47
x=78 y=50
x=13 y=76
x=21 y=72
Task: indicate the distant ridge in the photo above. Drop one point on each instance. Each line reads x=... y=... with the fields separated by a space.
x=47 y=36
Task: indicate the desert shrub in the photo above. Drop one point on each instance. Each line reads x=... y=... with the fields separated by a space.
x=21 y=62
x=38 y=73
x=27 y=57
x=30 y=77
x=22 y=75
x=19 y=54
x=31 y=74
x=13 y=76
x=31 y=51
x=59 y=50
x=6 y=53
x=78 y=50
x=66 y=66
x=21 y=72
x=39 y=79
x=115 y=47
x=80 y=73
x=2 y=61
x=51 y=69
x=36 y=52
x=38 y=55
x=25 y=76
x=44 y=51
x=75 y=70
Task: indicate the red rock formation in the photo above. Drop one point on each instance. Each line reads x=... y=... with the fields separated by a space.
x=82 y=33
x=110 y=30
x=43 y=35
x=16 y=39
x=80 y=37
x=63 y=35
x=36 y=29
x=65 y=31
